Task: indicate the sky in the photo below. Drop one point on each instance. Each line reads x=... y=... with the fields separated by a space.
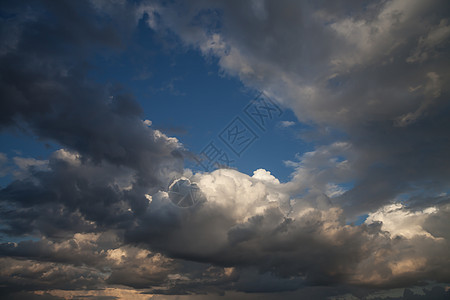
x=224 y=149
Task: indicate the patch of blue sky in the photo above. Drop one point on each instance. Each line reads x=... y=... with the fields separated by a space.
x=359 y=220
x=21 y=144
x=186 y=95
x=5 y=238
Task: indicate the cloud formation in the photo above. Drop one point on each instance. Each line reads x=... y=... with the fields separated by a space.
x=98 y=215
x=343 y=68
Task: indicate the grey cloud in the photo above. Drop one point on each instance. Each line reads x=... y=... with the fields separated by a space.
x=69 y=197
x=111 y=157
x=45 y=90
x=101 y=260
x=346 y=67
x=311 y=245
x=43 y=68
x=44 y=275
x=3 y=164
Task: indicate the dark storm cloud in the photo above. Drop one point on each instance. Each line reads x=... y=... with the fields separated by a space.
x=44 y=88
x=73 y=195
x=113 y=157
x=311 y=246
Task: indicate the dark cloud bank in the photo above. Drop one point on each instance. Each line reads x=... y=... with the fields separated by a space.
x=370 y=78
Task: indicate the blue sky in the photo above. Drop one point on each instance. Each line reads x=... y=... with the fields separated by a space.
x=168 y=83
x=189 y=97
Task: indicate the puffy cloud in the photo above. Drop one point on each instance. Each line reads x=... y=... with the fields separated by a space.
x=240 y=195
x=399 y=221
x=346 y=69
x=243 y=224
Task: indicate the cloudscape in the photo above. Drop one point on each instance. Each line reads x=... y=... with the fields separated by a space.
x=254 y=149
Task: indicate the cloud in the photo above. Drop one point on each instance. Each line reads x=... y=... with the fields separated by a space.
x=401 y=222
x=46 y=92
x=99 y=215
x=345 y=70
x=3 y=164
x=243 y=224
x=426 y=45
x=287 y=124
